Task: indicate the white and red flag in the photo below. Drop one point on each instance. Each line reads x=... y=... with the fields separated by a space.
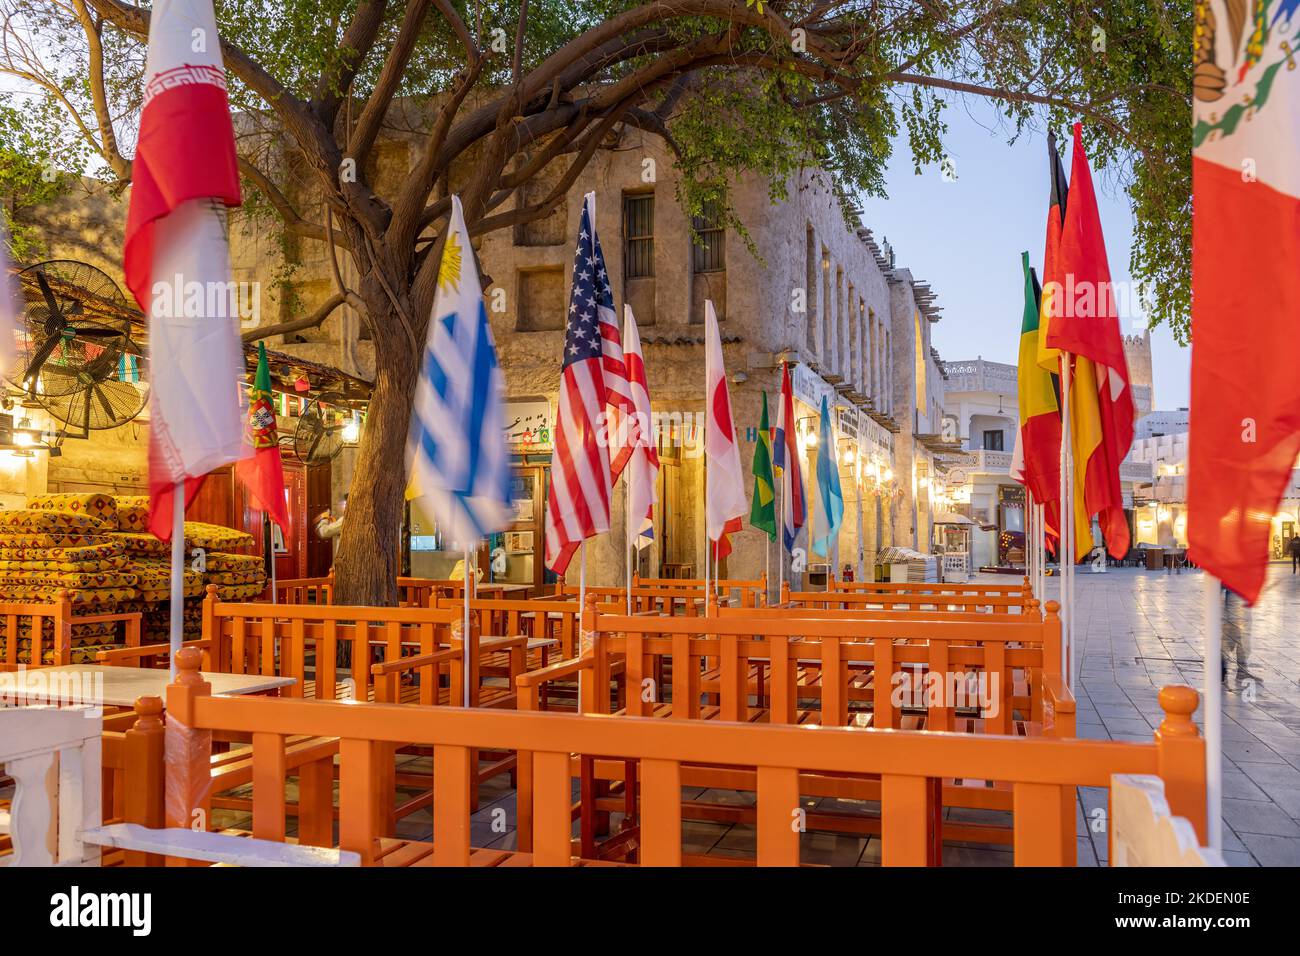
x=1245 y=409
x=643 y=460
x=724 y=494
x=177 y=260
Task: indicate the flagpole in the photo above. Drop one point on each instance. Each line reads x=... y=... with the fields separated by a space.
x=1213 y=712
x=1064 y=551
x=631 y=541
x=465 y=634
x=270 y=547
x=177 y=622
x=780 y=539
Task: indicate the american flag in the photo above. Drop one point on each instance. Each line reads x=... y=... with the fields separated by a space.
x=592 y=377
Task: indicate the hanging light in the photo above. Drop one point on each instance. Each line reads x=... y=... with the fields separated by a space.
x=351 y=430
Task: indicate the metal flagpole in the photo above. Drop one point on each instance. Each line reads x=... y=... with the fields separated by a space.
x=177 y=623
x=631 y=543
x=780 y=539
x=1213 y=711
x=465 y=635
x=1065 y=553
x=270 y=548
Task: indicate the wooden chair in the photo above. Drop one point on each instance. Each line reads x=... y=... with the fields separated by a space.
x=61 y=615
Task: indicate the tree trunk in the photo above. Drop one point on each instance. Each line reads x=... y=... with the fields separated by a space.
x=368 y=559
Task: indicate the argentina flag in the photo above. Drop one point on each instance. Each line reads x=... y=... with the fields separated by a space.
x=457 y=454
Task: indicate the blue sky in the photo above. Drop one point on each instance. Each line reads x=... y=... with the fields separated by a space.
x=965 y=238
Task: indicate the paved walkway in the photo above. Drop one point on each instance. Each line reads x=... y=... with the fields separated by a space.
x=1141 y=630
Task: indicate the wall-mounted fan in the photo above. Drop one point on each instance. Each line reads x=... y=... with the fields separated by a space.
x=76 y=328
x=319 y=436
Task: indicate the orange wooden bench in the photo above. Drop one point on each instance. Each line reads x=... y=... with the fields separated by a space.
x=793 y=666
x=61 y=615
x=1041 y=773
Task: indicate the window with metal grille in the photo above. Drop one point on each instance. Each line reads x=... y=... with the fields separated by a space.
x=709 y=250
x=638 y=235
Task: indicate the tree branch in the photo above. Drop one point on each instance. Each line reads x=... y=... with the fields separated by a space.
x=372 y=116
x=354 y=46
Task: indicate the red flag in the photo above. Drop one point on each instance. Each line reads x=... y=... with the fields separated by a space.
x=176 y=259
x=1087 y=326
x=1245 y=409
x=263 y=473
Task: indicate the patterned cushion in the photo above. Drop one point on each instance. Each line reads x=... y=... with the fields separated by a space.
x=31 y=520
x=220 y=561
x=214 y=537
x=133 y=512
x=96 y=504
x=97 y=552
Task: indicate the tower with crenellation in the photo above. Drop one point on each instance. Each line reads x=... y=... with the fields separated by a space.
x=1137 y=350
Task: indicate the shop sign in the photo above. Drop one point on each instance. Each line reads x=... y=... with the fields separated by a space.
x=528 y=426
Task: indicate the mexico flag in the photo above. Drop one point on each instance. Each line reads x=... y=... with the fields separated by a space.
x=1245 y=411
x=176 y=259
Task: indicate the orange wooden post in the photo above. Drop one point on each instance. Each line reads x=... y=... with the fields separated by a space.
x=1180 y=756
x=778 y=816
x=269 y=771
x=552 y=810
x=451 y=808
x=1041 y=821
x=143 y=774
x=835 y=708
x=883 y=715
x=214 y=659
x=997 y=678
x=359 y=797
x=316 y=803
x=188 y=794
x=905 y=820
x=661 y=813
x=62 y=630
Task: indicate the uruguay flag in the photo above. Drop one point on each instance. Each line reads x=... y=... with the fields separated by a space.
x=458 y=460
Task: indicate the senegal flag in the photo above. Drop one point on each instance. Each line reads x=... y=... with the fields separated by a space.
x=263 y=472
x=1040 y=410
x=762 y=513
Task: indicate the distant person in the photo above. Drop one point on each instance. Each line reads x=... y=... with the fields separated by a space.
x=1236 y=639
x=1294 y=548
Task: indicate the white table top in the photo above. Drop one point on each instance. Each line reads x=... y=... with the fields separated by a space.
x=116 y=686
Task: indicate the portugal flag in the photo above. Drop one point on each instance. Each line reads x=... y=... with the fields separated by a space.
x=1101 y=401
x=1245 y=411
x=263 y=473
x=1040 y=411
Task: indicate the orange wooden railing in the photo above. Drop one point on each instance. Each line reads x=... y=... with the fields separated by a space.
x=60 y=614
x=1021 y=589
x=907 y=765
x=1001 y=603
